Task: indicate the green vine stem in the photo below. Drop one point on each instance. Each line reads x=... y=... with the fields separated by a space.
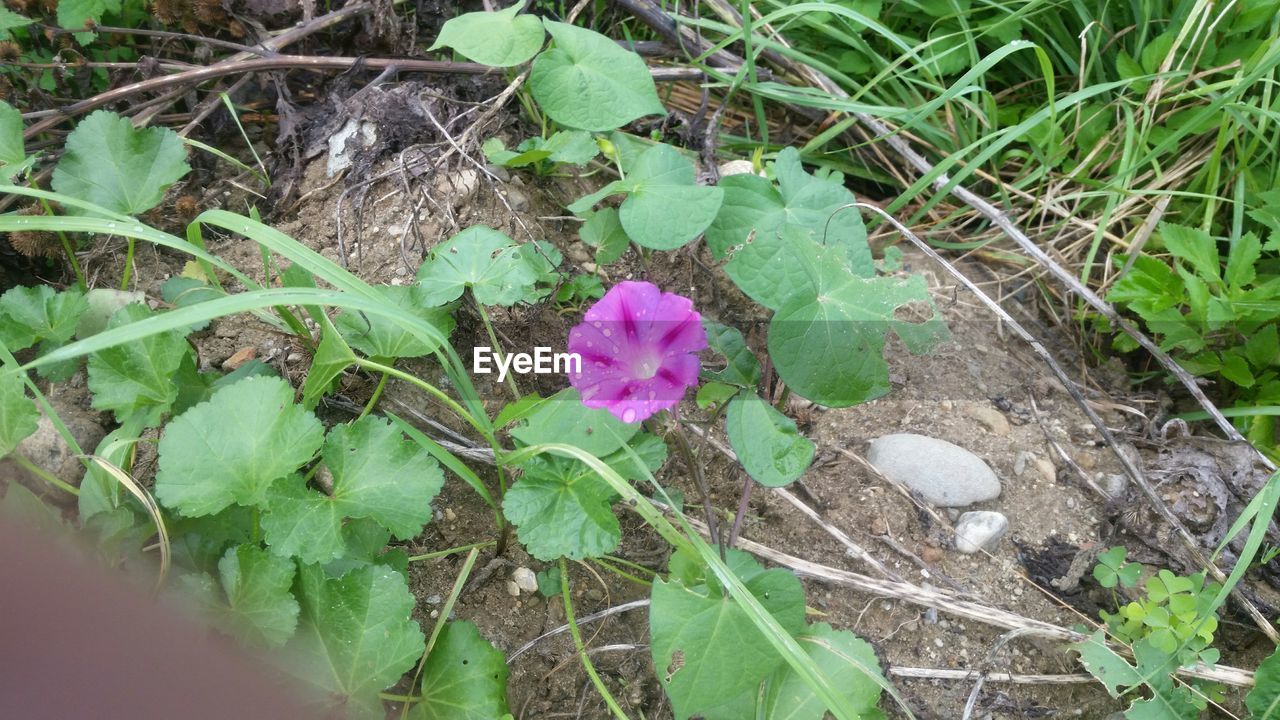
x=695 y=469
x=582 y=651
x=497 y=346
x=45 y=475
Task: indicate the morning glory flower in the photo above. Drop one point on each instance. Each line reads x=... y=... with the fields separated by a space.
x=638 y=348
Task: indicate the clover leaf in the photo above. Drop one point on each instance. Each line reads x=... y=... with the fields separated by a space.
x=381 y=337
x=18 y=415
x=706 y=648
x=488 y=262
x=767 y=443
x=230 y=449
x=500 y=39
x=137 y=376
x=465 y=677
x=827 y=344
x=665 y=209
x=355 y=635
x=587 y=82
x=109 y=163
x=1112 y=569
x=377 y=474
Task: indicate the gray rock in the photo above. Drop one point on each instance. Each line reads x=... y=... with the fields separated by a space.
x=525 y=579
x=980 y=530
x=946 y=475
x=1113 y=485
x=46 y=448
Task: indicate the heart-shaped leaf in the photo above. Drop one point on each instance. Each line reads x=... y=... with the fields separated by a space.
x=501 y=39
x=107 y=162
x=767 y=443
x=603 y=231
x=827 y=344
x=742 y=368
x=465 y=677
x=665 y=209
x=587 y=82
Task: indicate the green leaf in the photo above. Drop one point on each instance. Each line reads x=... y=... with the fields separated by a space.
x=767 y=443
x=479 y=258
x=827 y=344
x=376 y=473
x=74 y=14
x=109 y=163
x=465 y=677
x=381 y=475
x=706 y=648
x=665 y=209
x=231 y=448
x=715 y=394
x=1194 y=247
x=499 y=39
x=562 y=508
x=848 y=660
x=18 y=414
x=742 y=369
x=1244 y=254
x=807 y=205
x=1113 y=671
x=1263 y=347
x=331 y=358
x=1263 y=700
x=102 y=303
x=587 y=82
x=381 y=337
x=138 y=376
x=29 y=315
x=562 y=418
x=12 y=153
x=603 y=231
x=259 y=602
x=10 y=20
x=355 y=635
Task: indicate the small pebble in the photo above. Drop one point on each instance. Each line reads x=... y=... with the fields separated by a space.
x=294 y=357
x=1047 y=471
x=525 y=579
x=980 y=530
x=990 y=418
x=433 y=600
x=1113 y=484
x=513 y=589
x=1020 y=462
x=450 y=515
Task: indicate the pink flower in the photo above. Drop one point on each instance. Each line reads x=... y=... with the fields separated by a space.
x=638 y=347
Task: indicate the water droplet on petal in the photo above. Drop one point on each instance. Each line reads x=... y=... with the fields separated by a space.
x=629 y=415
x=596 y=324
x=607 y=332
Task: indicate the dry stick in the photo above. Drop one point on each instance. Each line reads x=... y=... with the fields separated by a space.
x=851 y=547
x=976 y=612
x=1135 y=474
x=915 y=673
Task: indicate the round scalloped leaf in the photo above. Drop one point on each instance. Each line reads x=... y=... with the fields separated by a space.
x=500 y=39
x=230 y=449
x=109 y=163
x=480 y=258
x=381 y=337
x=258 y=587
x=562 y=508
x=18 y=415
x=137 y=376
x=587 y=82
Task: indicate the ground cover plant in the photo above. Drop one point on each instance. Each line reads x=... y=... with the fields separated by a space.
x=289 y=527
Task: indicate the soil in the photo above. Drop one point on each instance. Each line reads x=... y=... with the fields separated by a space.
x=976 y=390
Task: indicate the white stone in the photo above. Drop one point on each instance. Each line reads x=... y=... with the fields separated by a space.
x=946 y=475
x=525 y=578
x=980 y=530
x=738 y=167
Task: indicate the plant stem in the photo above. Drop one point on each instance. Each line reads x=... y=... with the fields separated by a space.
x=373 y=400
x=128 y=266
x=429 y=389
x=450 y=551
x=742 y=509
x=497 y=346
x=620 y=572
x=577 y=643
x=695 y=469
x=45 y=475
x=781 y=404
x=66 y=247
